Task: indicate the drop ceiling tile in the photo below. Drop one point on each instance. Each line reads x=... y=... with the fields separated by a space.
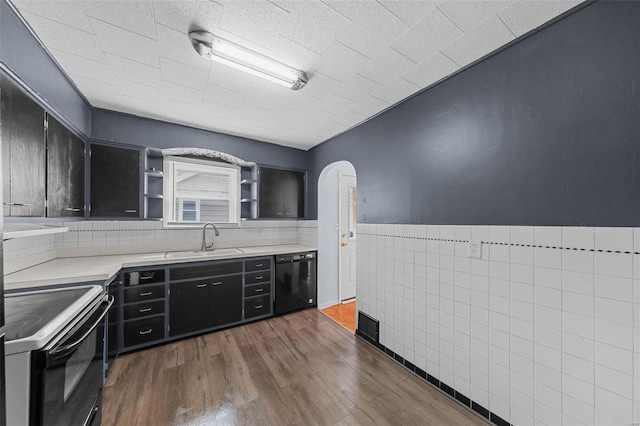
x=233 y=79
x=349 y=119
x=96 y=90
x=410 y=11
x=483 y=39
x=318 y=116
x=177 y=73
x=350 y=9
x=135 y=106
x=428 y=36
x=335 y=103
x=185 y=16
x=262 y=21
x=370 y=106
x=66 y=12
x=135 y=16
x=311 y=23
x=259 y=99
x=320 y=85
x=141 y=91
x=67 y=39
x=291 y=53
x=223 y=96
x=524 y=15
x=125 y=43
x=357 y=88
x=372 y=28
x=135 y=71
x=339 y=62
x=182 y=94
x=84 y=67
x=396 y=91
x=385 y=67
x=468 y=14
x=175 y=45
x=430 y=70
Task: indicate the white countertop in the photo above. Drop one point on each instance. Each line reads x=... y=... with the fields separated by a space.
x=101 y=268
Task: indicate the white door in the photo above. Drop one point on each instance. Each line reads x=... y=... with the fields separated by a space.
x=347 y=237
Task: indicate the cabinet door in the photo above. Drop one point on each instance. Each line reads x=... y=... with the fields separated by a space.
x=225 y=300
x=65 y=171
x=293 y=194
x=23 y=153
x=115 y=181
x=281 y=193
x=270 y=195
x=188 y=307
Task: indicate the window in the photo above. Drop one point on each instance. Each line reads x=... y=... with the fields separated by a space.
x=200 y=191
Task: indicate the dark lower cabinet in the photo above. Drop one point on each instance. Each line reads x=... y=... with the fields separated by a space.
x=143 y=331
x=65 y=171
x=205 y=303
x=23 y=153
x=226 y=301
x=115 y=181
x=188 y=306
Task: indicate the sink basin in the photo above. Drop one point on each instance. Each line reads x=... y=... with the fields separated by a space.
x=198 y=253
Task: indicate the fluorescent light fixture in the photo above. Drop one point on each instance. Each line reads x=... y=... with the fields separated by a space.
x=225 y=52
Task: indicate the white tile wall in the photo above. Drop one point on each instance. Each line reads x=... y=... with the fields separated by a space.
x=88 y=238
x=543 y=329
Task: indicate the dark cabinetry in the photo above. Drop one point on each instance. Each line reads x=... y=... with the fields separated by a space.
x=115 y=181
x=207 y=302
x=23 y=153
x=281 y=193
x=65 y=171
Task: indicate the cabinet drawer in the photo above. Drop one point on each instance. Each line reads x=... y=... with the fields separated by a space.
x=257 y=265
x=257 y=277
x=144 y=277
x=143 y=331
x=140 y=310
x=257 y=289
x=186 y=272
x=141 y=294
x=257 y=306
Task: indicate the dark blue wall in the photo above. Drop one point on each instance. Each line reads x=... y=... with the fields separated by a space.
x=24 y=58
x=129 y=129
x=546 y=132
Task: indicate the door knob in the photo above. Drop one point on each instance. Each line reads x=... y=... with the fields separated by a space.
x=345 y=244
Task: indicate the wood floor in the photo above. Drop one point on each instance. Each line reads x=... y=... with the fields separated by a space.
x=344 y=314
x=300 y=369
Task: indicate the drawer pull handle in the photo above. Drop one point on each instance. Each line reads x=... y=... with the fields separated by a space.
x=146 y=331
x=258 y=306
x=216 y=283
x=147 y=293
x=258 y=265
x=259 y=290
x=131 y=211
x=143 y=310
x=201 y=285
x=259 y=277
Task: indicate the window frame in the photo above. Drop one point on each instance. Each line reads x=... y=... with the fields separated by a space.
x=169 y=211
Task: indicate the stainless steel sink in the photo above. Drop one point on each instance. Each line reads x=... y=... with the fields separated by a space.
x=198 y=253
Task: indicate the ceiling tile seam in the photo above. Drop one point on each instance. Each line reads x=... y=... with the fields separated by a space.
x=373 y=95
x=138 y=82
x=505 y=24
x=81 y=57
x=373 y=81
x=278 y=6
x=119 y=27
x=452 y=21
x=155 y=31
x=98 y=41
x=403 y=55
x=449 y=58
x=56 y=22
x=337 y=11
x=129 y=59
x=391 y=12
x=181 y=63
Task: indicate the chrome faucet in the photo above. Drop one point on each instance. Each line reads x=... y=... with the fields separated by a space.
x=206 y=246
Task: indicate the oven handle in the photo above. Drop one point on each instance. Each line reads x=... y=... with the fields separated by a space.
x=68 y=348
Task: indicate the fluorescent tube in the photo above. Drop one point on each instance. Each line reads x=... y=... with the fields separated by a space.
x=228 y=53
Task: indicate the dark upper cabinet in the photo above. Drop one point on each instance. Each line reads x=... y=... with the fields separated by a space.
x=115 y=181
x=65 y=171
x=281 y=193
x=23 y=153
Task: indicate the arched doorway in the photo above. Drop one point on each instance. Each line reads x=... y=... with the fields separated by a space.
x=337 y=241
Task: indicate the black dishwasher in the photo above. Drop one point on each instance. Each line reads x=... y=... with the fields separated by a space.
x=295 y=286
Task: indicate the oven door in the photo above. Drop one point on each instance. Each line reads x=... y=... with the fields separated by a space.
x=67 y=375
